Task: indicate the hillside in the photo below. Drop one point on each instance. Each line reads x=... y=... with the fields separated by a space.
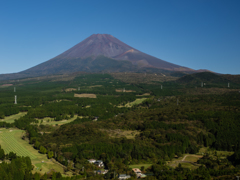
x=207 y=78
x=170 y=123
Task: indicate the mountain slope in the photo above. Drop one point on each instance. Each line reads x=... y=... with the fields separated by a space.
x=99 y=52
x=102 y=45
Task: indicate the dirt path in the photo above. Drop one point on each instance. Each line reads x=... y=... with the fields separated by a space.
x=190 y=155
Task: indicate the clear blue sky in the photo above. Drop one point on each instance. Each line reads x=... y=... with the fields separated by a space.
x=199 y=34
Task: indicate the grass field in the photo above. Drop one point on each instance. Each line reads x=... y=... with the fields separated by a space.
x=145 y=94
x=10 y=119
x=136 y=102
x=140 y=165
x=189 y=166
x=185 y=157
x=192 y=158
x=222 y=154
x=50 y=121
x=10 y=140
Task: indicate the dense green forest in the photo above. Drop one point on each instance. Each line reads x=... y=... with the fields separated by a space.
x=178 y=117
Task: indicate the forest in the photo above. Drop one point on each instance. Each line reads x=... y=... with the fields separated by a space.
x=177 y=118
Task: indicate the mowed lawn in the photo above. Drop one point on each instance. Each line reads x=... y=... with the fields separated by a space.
x=9 y=143
x=10 y=140
x=10 y=119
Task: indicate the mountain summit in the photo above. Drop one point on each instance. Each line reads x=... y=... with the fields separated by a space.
x=95 y=45
x=100 y=52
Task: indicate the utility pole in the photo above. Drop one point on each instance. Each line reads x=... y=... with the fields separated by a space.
x=15 y=99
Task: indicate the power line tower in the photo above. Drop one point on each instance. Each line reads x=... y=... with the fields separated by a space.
x=228 y=85
x=202 y=84
x=14 y=89
x=78 y=88
x=15 y=99
x=161 y=86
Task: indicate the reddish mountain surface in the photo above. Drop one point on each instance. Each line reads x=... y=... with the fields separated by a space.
x=109 y=46
x=100 y=52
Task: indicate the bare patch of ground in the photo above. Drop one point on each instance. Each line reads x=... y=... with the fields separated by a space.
x=145 y=94
x=6 y=85
x=85 y=95
x=70 y=89
x=122 y=90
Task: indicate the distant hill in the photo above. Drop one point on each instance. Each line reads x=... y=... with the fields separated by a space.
x=100 y=52
x=232 y=78
x=205 y=77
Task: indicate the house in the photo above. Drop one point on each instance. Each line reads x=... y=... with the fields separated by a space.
x=123 y=176
x=138 y=172
x=102 y=171
x=99 y=163
x=95 y=118
x=91 y=161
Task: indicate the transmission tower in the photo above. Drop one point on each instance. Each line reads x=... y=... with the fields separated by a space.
x=15 y=99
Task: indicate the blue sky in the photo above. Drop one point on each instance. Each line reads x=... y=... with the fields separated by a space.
x=199 y=34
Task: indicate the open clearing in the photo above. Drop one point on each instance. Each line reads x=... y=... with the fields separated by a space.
x=187 y=161
x=85 y=95
x=50 y=121
x=118 y=133
x=95 y=86
x=6 y=85
x=10 y=119
x=10 y=140
x=136 y=102
x=145 y=94
x=121 y=90
x=191 y=158
x=140 y=165
x=70 y=89
x=222 y=154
